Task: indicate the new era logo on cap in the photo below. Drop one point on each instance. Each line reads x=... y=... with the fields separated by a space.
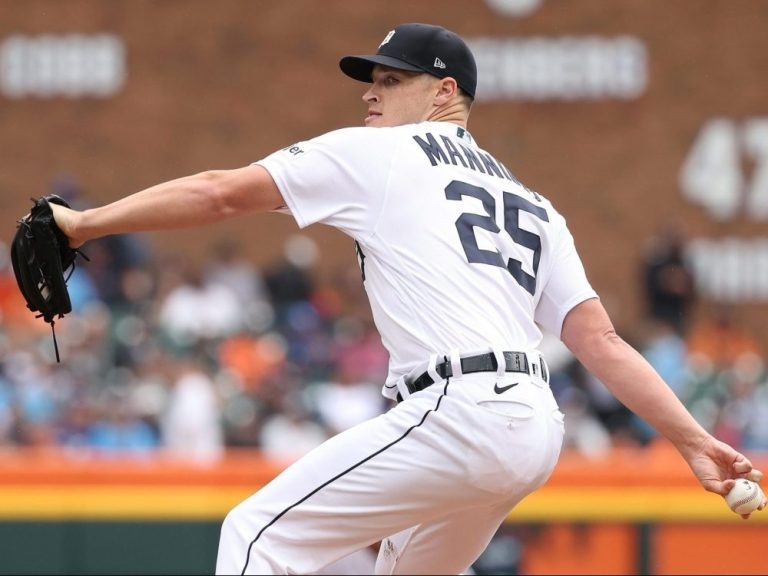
x=419 y=48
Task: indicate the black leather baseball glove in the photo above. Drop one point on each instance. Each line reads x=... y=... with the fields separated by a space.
x=41 y=256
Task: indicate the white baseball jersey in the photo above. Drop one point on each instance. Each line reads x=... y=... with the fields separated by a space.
x=456 y=254
x=457 y=257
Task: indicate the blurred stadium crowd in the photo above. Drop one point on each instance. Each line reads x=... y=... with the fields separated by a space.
x=161 y=355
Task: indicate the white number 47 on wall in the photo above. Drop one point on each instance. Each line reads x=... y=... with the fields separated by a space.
x=726 y=170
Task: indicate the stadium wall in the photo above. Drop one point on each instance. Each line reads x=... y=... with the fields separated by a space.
x=632 y=511
x=628 y=115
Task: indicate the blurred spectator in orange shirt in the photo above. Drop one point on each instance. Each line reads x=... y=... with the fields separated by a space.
x=252 y=359
x=720 y=338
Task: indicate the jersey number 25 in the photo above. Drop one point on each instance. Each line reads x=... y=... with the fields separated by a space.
x=467 y=222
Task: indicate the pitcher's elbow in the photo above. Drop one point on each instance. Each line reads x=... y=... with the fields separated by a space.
x=214 y=192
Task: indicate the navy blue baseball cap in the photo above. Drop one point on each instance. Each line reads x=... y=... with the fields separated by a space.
x=419 y=48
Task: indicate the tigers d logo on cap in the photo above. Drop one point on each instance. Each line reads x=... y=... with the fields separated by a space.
x=387 y=37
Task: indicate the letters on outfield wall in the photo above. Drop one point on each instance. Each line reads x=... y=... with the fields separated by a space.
x=726 y=174
x=566 y=68
x=73 y=66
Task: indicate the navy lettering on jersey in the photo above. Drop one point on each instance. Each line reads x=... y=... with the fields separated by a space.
x=472 y=159
x=432 y=149
x=467 y=222
x=455 y=153
x=491 y=164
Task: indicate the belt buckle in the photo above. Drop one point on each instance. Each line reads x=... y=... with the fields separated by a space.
x=518 y=362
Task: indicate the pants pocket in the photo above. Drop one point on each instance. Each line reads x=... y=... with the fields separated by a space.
x=514 y=409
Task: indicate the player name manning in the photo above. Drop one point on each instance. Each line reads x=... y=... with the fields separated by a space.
x=448 y=151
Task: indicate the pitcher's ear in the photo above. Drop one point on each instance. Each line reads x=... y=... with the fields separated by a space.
x=448 y=88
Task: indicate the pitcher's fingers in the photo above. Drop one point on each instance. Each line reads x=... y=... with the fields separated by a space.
x=721 y=488
x=742 y=465
x=755 y=475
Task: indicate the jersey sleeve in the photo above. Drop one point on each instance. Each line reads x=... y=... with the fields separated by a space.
x=338 y=178
x=566 y=287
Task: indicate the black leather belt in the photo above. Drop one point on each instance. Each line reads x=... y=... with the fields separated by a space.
x=516 y=362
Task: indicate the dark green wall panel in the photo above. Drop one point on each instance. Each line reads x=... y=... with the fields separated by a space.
x=108 y=547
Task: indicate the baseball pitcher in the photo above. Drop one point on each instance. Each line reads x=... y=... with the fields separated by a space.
x=463 y=266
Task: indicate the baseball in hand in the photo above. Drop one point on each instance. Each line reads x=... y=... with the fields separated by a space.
x=744 y=497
